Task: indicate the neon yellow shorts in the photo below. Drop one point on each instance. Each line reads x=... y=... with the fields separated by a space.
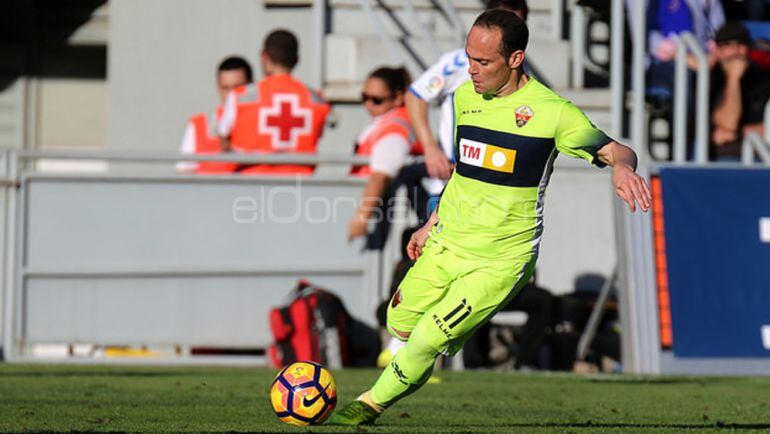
x=446 y=297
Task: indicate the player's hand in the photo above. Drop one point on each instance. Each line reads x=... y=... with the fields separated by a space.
x=631 y=187
x=357 y=228
x=437 y=163
x=417 y=242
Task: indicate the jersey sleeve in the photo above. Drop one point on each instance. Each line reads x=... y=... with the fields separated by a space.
x=577 y=137
x=442 y=78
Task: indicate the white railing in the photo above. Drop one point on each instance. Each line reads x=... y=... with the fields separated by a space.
x=578 y=46
x=767 y=122
x=319 y=42
x=638 y=111
x=754 y=145
x=557 y=18
x=617 y=80
x=687 y=41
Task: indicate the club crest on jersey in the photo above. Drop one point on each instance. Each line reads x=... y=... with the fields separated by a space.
x=523 y=115
x=487 y=156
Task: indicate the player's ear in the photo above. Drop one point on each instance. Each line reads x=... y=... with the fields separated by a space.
x=516 y=59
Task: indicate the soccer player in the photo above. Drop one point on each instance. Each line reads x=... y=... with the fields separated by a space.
x=480 y=247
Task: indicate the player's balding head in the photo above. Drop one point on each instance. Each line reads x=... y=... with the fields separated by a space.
x=514 y=34
x=519 y=7
x=282 y=48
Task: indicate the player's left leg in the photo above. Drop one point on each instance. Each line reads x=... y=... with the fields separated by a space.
x=424 y=286
x=471 y=300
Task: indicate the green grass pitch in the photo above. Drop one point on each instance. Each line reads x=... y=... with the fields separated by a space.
x=44 y=398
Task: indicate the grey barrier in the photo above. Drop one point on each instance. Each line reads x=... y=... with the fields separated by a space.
x=187 y=261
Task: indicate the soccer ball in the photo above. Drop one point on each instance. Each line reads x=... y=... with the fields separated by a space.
x=303 y=393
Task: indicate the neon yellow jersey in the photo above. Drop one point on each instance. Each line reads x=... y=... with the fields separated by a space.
x=505 y=148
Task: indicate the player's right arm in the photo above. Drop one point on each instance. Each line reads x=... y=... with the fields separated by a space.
x=418 y=239
x=629 y=186
x=577 y=137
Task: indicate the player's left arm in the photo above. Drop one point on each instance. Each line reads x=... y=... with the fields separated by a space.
x=631 y=187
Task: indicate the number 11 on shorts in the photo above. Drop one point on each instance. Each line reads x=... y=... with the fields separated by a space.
x=455 y=311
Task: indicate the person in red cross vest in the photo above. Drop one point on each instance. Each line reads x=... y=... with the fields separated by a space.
x=277 y=114
x=388 y=140
x=200 y=135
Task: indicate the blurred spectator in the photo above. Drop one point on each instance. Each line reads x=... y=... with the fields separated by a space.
x=199 y=137
x=739 y=10
x=388 y=140
x=739 y=91
x=666 y=20
x=277 y=114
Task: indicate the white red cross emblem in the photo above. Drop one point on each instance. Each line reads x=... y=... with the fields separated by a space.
x=285 y=121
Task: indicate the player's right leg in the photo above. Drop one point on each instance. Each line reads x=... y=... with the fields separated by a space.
x=480 y=288
x=424 y=286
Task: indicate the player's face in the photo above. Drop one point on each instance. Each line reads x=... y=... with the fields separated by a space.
x=488 y=69
x=377 y=98
x=229 y=80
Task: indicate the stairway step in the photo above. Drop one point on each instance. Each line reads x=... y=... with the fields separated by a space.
x=349 y=58
x=343 y=91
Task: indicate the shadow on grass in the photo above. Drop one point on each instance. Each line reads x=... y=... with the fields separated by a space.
x=589 y=424
x=654 y=381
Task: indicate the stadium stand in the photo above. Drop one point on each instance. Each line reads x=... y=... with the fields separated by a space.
x=142 y=256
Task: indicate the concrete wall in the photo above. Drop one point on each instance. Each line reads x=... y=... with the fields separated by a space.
x=579 y=234
x=163 y=55
x=72 y=113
